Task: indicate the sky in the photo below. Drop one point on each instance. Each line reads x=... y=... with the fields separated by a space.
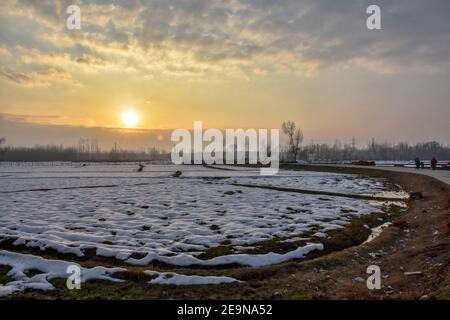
x=229 y=63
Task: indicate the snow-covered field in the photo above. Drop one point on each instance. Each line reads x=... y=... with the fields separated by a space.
x=118 y=211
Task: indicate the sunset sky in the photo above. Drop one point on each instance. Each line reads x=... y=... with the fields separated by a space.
x=229 y=63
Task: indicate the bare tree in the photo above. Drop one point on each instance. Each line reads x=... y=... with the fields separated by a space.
x=2 y=140
x=295 y=136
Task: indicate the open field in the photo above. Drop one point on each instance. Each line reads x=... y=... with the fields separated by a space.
x=150 y=235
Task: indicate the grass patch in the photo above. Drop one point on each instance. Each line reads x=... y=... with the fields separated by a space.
x=297 y=294
x=213 y=252
x=32 y=272
x=274 y=244
x=443 y=293
x=357 y=230
x=91 y=290
x=4 y=278
x=130 y=290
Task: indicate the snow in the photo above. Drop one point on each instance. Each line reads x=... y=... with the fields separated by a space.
x=375 y=232
x=179 y=279
x=67 y=175
x=51 y=269
x=117 y=211
x=251 y=260
x=320 y=235
x=328 y=182
x=169 y=216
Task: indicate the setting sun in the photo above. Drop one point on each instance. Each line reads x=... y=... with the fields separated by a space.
x=130 y=118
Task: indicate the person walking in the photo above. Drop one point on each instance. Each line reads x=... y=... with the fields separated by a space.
x=417 y=162
x=433 y=163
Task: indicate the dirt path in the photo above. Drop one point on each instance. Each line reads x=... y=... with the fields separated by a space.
x=443 y=175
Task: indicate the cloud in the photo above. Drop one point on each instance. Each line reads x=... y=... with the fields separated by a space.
x=239 y=37
x=90 y=60
x=28 y=117
x=42 y=78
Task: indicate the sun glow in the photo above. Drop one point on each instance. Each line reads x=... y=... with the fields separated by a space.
x=130 y=118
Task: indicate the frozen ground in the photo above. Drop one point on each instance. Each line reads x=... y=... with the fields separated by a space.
x=118 y=211
x=151 y=212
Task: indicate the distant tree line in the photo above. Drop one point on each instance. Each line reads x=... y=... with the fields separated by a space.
x=293 y=150
x=403 y=151
x=62 y=153
x=374 y=151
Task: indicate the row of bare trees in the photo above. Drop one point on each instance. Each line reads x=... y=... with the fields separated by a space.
x=62 y=153
x=402 y=151
x=294 y=150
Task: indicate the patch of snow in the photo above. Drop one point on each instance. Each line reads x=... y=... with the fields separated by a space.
x=320 y=235
x=376 y=232
x=321 y=181
x=51 y=269
x=295 y=239
x=179 y=279
x=251 y=260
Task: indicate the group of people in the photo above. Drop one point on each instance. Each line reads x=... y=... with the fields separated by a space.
x=421 y=164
